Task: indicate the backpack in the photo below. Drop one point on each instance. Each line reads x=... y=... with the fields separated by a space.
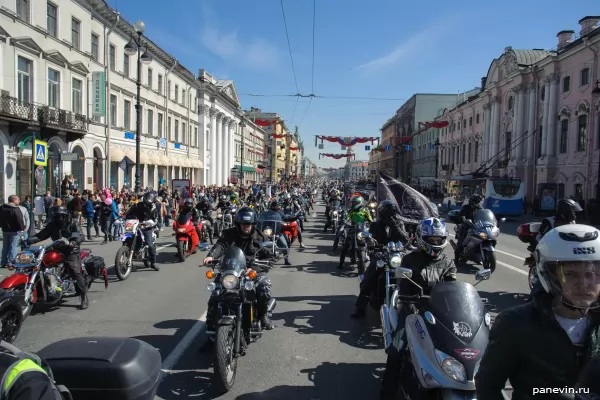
x=8 y=349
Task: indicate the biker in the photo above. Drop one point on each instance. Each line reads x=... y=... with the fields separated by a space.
x=290 y=207
x=551 y=338
x=62 y=226
x=334 y=196
x=466 y=213
x=246 y=237
x=251 y=199
x=145 y=211
x=282 y=241
x=188 y=208
x=223 y=202
x=296 y=196
x=429 y=266
x=233 y=199
x=358 y=214
x=387 y=228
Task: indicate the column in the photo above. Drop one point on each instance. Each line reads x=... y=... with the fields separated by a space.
x=515 y=125
x=213 y=146
x=230 y=148
x=521 y=120
x=531 y=125
x=225 y=134
x=552 y=111
x=218 y=155
x=546 y=117
x=496 y=127
x=486 y=133
x=493 y=144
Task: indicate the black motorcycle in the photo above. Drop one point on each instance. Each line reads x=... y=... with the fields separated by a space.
x=234 y=322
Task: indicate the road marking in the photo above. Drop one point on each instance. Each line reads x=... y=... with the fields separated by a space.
x=500 y=251
x=198 y=329
x=519 y=270
x=158 y=248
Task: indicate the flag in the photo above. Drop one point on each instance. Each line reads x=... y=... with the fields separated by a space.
x=414 y=207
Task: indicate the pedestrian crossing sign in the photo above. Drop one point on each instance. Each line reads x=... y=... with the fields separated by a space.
x=41 y=153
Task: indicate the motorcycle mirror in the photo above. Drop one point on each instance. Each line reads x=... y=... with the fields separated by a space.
x=439 y=205
x=403 y=273
x=502 y=220
x=483 y=275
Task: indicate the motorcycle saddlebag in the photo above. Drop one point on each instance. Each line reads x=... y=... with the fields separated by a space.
x=101 y=368
x=94 y=266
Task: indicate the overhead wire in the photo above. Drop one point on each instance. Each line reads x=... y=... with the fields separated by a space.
x=287 y=35
x=312 y=90
x=322 y=97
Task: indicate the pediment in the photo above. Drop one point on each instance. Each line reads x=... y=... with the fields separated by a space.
x=228 y=88
x=56 y=57
x=27 y=44
x=79 y=67
x=3 y=34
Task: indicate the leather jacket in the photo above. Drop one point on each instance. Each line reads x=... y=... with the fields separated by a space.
x=250 y=245
x=391 y=230
x=142 y=212
x=467 y=211
x=52 y=231
x=528 y=346
x=193 y=212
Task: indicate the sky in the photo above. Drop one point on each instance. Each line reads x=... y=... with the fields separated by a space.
x=378 y=52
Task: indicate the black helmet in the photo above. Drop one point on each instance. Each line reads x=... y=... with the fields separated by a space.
x=274 y=205
x=61 y=216
x=387 y=209
x=475 y=200
x=188 y=203
x=566 y=209
x=245 y=215
x=148 y=198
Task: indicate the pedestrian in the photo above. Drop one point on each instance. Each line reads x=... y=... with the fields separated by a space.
x=12 y=223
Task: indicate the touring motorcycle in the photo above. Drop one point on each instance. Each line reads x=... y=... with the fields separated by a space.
x=270 y=224
x=234 y=322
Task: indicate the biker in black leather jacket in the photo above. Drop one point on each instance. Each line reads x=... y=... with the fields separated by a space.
x=62 y=226
x=188 y=208
x=466 y=212
x=545 y=343
x=292 y=207
x=145 y=211
x=387 y=228
x=282 y=241
x=223 y=203
x=245 y=236
x=429 y=266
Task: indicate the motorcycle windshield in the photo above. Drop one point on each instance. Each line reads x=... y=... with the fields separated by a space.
x=336 y=205
x=233 y=261
x=270 y=220
x=184 y=218
x=483 y=218
x=457 y=306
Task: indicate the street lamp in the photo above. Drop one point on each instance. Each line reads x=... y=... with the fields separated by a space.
x=242 y=125
x=135 y=46
x=437 y=161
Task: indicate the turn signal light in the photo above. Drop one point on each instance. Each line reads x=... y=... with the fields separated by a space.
x=252 y=274
x=210 y=274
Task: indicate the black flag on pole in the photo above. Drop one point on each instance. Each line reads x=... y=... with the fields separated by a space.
x=414 y=206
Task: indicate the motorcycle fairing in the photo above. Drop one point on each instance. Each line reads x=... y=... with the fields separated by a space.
x=125 y=236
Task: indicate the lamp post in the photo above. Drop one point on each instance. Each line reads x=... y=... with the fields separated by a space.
x=135 y=46
x=242 y=125
x=437 y=162
x=595 y=96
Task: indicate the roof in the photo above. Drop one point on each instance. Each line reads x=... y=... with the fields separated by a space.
x=530 y=57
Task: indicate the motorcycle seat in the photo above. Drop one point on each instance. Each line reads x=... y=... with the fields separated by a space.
x=85 y=253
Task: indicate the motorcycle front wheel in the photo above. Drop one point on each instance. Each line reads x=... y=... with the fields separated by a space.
x=225 y=362
x=360 y=262
x=489 y=260
x=182 y=249
x=122 y=265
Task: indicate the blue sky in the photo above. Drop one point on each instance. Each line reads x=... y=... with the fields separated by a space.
x=384 y=49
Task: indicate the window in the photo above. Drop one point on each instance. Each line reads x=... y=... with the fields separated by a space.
x=464 y=154
x=539 y=139
x=477 y=119
x=507 y=145
x=113 y=110
x=564 y=136
x=176 y=93
x=470 y=121
x=196 y=139
x=176 y=139
x=511 y=103
x=51 y=19
x=160 y=84
x=169 y=137
x=469 y=155
x=150 y=78
x=585 y=76
x=160 y=125
x=95 y=46
x=506 y=187
x=183 y=97
x=125 y=64
x=77 y=96
x=566 y=84
x=150 y=122
x=25 y=87
x=126 y=114
x=112 y=57
x=581 y=132
x=183 y=135
x=168 y=90
x=543 y=93
x=476 y=155
x=23 y=10
x=53 y=88
x=76 y=33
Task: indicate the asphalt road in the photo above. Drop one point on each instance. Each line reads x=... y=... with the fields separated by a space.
x=316 y=351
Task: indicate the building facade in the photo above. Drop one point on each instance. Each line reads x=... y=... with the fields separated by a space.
x=538 y=119
x=249 y=153
x=384 y=161
x=359 y=170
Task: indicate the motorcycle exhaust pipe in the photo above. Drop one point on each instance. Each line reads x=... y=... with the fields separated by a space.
x=271 y=304
x=385 y=327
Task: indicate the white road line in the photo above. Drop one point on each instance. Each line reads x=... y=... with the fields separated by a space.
x=198 y=329
x=519 y=270
x=502 y=252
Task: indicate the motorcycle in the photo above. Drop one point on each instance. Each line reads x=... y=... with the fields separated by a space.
x=134 y=247
x=270 y=224
x=186 y=236
x=336 y=215
x=372 y=206
x=235 y=322
x=42 y=278
x=481 y=238
x=527 y=233
x=445 y=342
x=358 y=235
x=290 y=226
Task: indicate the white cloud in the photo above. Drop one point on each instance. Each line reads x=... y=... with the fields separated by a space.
x=420 y=42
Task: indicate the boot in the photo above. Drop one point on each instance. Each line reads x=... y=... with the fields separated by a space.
x=340 y=265
x=302 y=246
x=154 y=267
x=85 y=302
x=358 y=313
x=287 y=261
x=265 y=321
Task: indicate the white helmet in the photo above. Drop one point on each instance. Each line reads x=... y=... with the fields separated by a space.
x=570 y=253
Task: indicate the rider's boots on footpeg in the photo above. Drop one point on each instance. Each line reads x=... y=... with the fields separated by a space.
x=85 y=302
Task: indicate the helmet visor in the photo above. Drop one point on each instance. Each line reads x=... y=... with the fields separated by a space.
x=577 y=281
x=434 y=240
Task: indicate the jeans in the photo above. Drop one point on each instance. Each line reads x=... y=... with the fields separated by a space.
x=10 y=246
x=73 y=264
x=347 y=245
x=151 y=246
x=393 y=367
x=368 y=284
x=89 y=224
x=283 y=245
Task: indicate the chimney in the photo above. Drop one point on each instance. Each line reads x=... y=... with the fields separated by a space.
x=588 y=24
x=483 y=82
x=564 y=38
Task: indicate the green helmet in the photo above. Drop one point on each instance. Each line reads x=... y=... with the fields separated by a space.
x=356 y=202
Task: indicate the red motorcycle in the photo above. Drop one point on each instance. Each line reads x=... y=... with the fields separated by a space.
x=186 y=235
x=290 y=227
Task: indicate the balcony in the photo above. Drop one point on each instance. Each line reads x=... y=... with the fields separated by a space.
x=44 y=117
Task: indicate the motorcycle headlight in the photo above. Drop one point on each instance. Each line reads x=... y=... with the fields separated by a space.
x=249 y=285
x=360 y=236
x=24 y=258
x=334 y=213
x=229 y=281
x=483 y=235
x=495 y=232
x=452 y=367
x=181 y=230
x=211 y=287
x=268 y=232
x=380 y=264
x=395 y=261
x=129 y=228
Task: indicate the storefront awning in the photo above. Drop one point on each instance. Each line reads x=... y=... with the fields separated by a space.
x=245 y=168
x=116 y=155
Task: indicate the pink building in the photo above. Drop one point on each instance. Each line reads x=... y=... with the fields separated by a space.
x=536 y=118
